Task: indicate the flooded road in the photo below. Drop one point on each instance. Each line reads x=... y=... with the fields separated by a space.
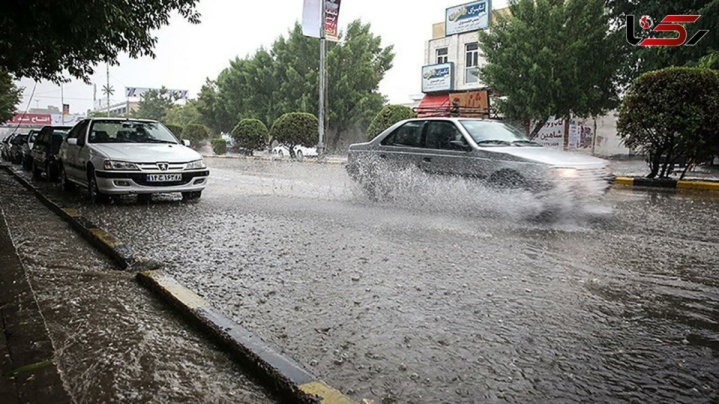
x=114 y=341
x=446 y=292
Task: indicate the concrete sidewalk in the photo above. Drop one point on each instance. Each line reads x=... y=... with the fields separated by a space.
x=637 y=167
x=28 y=370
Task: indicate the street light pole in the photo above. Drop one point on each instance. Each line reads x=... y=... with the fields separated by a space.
x=321 y=117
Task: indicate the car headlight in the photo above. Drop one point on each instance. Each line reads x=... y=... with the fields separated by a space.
x=566 y=172
x=120 y=165
x=194 y=165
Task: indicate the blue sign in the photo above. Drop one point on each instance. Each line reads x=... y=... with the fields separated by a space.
x=436 y=78
x=467 y=17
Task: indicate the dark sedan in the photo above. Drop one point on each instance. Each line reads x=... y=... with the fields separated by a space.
x=45 y=151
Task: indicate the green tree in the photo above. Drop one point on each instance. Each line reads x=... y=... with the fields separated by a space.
x=672 y=113
x=295 y=128
x=182 y=115
x=219 y=146
x=41 y=40
x=213 y=112
x=9 y=96
x=154 y=104
x=285 y=79
x=388 y=116
x=551 y=58
x=638 y=60
x=251 y=134
x=196 y=134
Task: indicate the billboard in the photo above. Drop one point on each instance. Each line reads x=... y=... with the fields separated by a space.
x=437 y=78
x=311 y=19
x=467 y=17
x=140 y=91
x=30 y=119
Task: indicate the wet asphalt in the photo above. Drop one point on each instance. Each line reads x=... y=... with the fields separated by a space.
x=447 y=291
x=114 y=342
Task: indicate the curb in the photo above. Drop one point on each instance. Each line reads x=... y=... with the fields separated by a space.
x=274 y=159
x=120 y=253
x=667 y=184
x=287 y=376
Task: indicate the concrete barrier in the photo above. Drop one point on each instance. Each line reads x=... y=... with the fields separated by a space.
x=667 y=183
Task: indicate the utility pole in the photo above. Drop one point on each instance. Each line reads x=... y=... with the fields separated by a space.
x=62 y=102
x=108 y=89
x=323 y=50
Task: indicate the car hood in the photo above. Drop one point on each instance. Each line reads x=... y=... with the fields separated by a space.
x=147 y=153
x=557 y=158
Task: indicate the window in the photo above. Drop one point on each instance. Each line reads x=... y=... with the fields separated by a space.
x=127 y=131
x=409 y=134
x=442 y=55
x=79 y=129
x=471 y=56
x=440 y=134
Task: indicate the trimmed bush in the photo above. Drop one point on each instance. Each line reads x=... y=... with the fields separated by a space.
x=219 y=146
x=670 y=115
x=176 y=130
x=388 y=116
x=295 y=128
x=196 y=134
x=250 y=134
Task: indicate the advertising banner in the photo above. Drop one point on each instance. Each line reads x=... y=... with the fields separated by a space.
x=437 y=78
x=580 y=135
x=467 y=17
x=552 y=134
x=66 y=120
x=311 y=17
x=30 y=119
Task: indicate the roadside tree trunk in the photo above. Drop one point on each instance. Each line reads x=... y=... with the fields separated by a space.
x=540 y=124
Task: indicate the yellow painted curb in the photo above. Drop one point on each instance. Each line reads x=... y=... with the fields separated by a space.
x=626 y=181
x=327 y=394
x=700 y=185
x=177 y=291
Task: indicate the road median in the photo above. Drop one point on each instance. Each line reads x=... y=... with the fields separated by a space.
x=642 y=182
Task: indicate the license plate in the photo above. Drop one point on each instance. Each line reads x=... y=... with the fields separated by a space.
x=164 y=177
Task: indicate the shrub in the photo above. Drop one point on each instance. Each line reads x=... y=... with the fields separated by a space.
x=386 y=117
x=670 y=114
x=176 y=130
x=219 y=146
x=251 y=134
x=295 y=128
x=196 y=134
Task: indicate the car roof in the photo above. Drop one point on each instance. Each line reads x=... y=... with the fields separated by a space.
x=122 y=119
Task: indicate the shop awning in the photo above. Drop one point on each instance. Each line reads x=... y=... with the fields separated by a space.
x=433 y=105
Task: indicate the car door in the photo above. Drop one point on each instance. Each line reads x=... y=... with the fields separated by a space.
x=402 y=149
x=446 y=150
x=70 y=154
x=39 y=150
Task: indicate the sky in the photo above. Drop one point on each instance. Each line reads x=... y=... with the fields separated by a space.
x=187 y=54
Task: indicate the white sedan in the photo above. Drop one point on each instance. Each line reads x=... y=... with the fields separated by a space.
x=300 y=151
x=129 y=156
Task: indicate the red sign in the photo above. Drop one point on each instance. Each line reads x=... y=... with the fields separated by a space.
x=670 y=23
x=66 y=109
x=31 y=119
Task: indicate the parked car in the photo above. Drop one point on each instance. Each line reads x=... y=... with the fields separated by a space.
x=16 y=145
x=26 y=149
x=5 y=147
x=300 y=151
x=118 y=156
x=45 y=151
x=486 y=149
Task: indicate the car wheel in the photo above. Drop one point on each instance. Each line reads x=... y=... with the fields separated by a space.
x=26 y=165
x=94 y=193
x=191 y=196
x=299 y=155
x=508 y=179
x=50 y=175
x=66 y=184
x=35 y=172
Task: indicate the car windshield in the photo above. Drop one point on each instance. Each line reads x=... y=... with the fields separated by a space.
x=494 y=133
x=130 y=132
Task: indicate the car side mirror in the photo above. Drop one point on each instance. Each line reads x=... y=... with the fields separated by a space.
x=460 y=144
x=185 y=142
x=72 y=141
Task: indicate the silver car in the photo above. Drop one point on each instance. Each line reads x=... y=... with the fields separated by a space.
x=489 y=150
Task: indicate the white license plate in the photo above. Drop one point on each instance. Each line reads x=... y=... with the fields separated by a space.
x=164 y=177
